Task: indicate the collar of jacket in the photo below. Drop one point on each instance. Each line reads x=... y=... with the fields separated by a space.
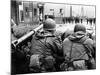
x=44 y=34
x=77 y=36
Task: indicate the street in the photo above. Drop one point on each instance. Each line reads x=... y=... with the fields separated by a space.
x=70 y=26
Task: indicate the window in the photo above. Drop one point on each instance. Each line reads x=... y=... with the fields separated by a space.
x=51 y=9
x=21 y=16
x=26 y=9
x=60 y=10
x=35 y=11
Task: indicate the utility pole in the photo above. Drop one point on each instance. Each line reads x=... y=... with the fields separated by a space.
x=82 y=12
x=70 y=11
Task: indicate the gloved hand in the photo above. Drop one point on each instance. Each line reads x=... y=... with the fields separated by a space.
x=79 y=65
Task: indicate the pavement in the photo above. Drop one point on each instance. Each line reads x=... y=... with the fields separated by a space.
x=70 y=26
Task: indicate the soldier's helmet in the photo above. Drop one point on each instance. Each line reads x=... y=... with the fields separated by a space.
x=49 y=24
x=79 y=27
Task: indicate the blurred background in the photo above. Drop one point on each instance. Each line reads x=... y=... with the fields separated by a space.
x=27 y=15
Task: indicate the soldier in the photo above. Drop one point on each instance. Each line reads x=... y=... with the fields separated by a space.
x=46 y=48
x=78 y=50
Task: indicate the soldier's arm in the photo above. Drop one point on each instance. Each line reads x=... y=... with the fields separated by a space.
x=90 y=44
x=67 y=48
x=56 y=48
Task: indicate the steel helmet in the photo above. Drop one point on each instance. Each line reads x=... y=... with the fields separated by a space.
x=79 y=27
x=49 y=24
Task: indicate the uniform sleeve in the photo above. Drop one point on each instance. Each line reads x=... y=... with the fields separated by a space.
x=66 y=48
x=56 y=46
x=90 y=44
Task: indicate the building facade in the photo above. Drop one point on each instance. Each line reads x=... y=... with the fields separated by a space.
x=33 y=12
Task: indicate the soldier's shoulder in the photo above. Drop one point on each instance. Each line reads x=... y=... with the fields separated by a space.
x=66 y=40
x=50 y=39
x=88 y=41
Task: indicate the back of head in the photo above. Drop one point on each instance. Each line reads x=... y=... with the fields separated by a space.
x=49 y=24
x=79 y=27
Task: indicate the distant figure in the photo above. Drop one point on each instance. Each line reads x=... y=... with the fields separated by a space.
x=90 y=20
x=87 y=21
x=76 y=20
x=81 y=20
